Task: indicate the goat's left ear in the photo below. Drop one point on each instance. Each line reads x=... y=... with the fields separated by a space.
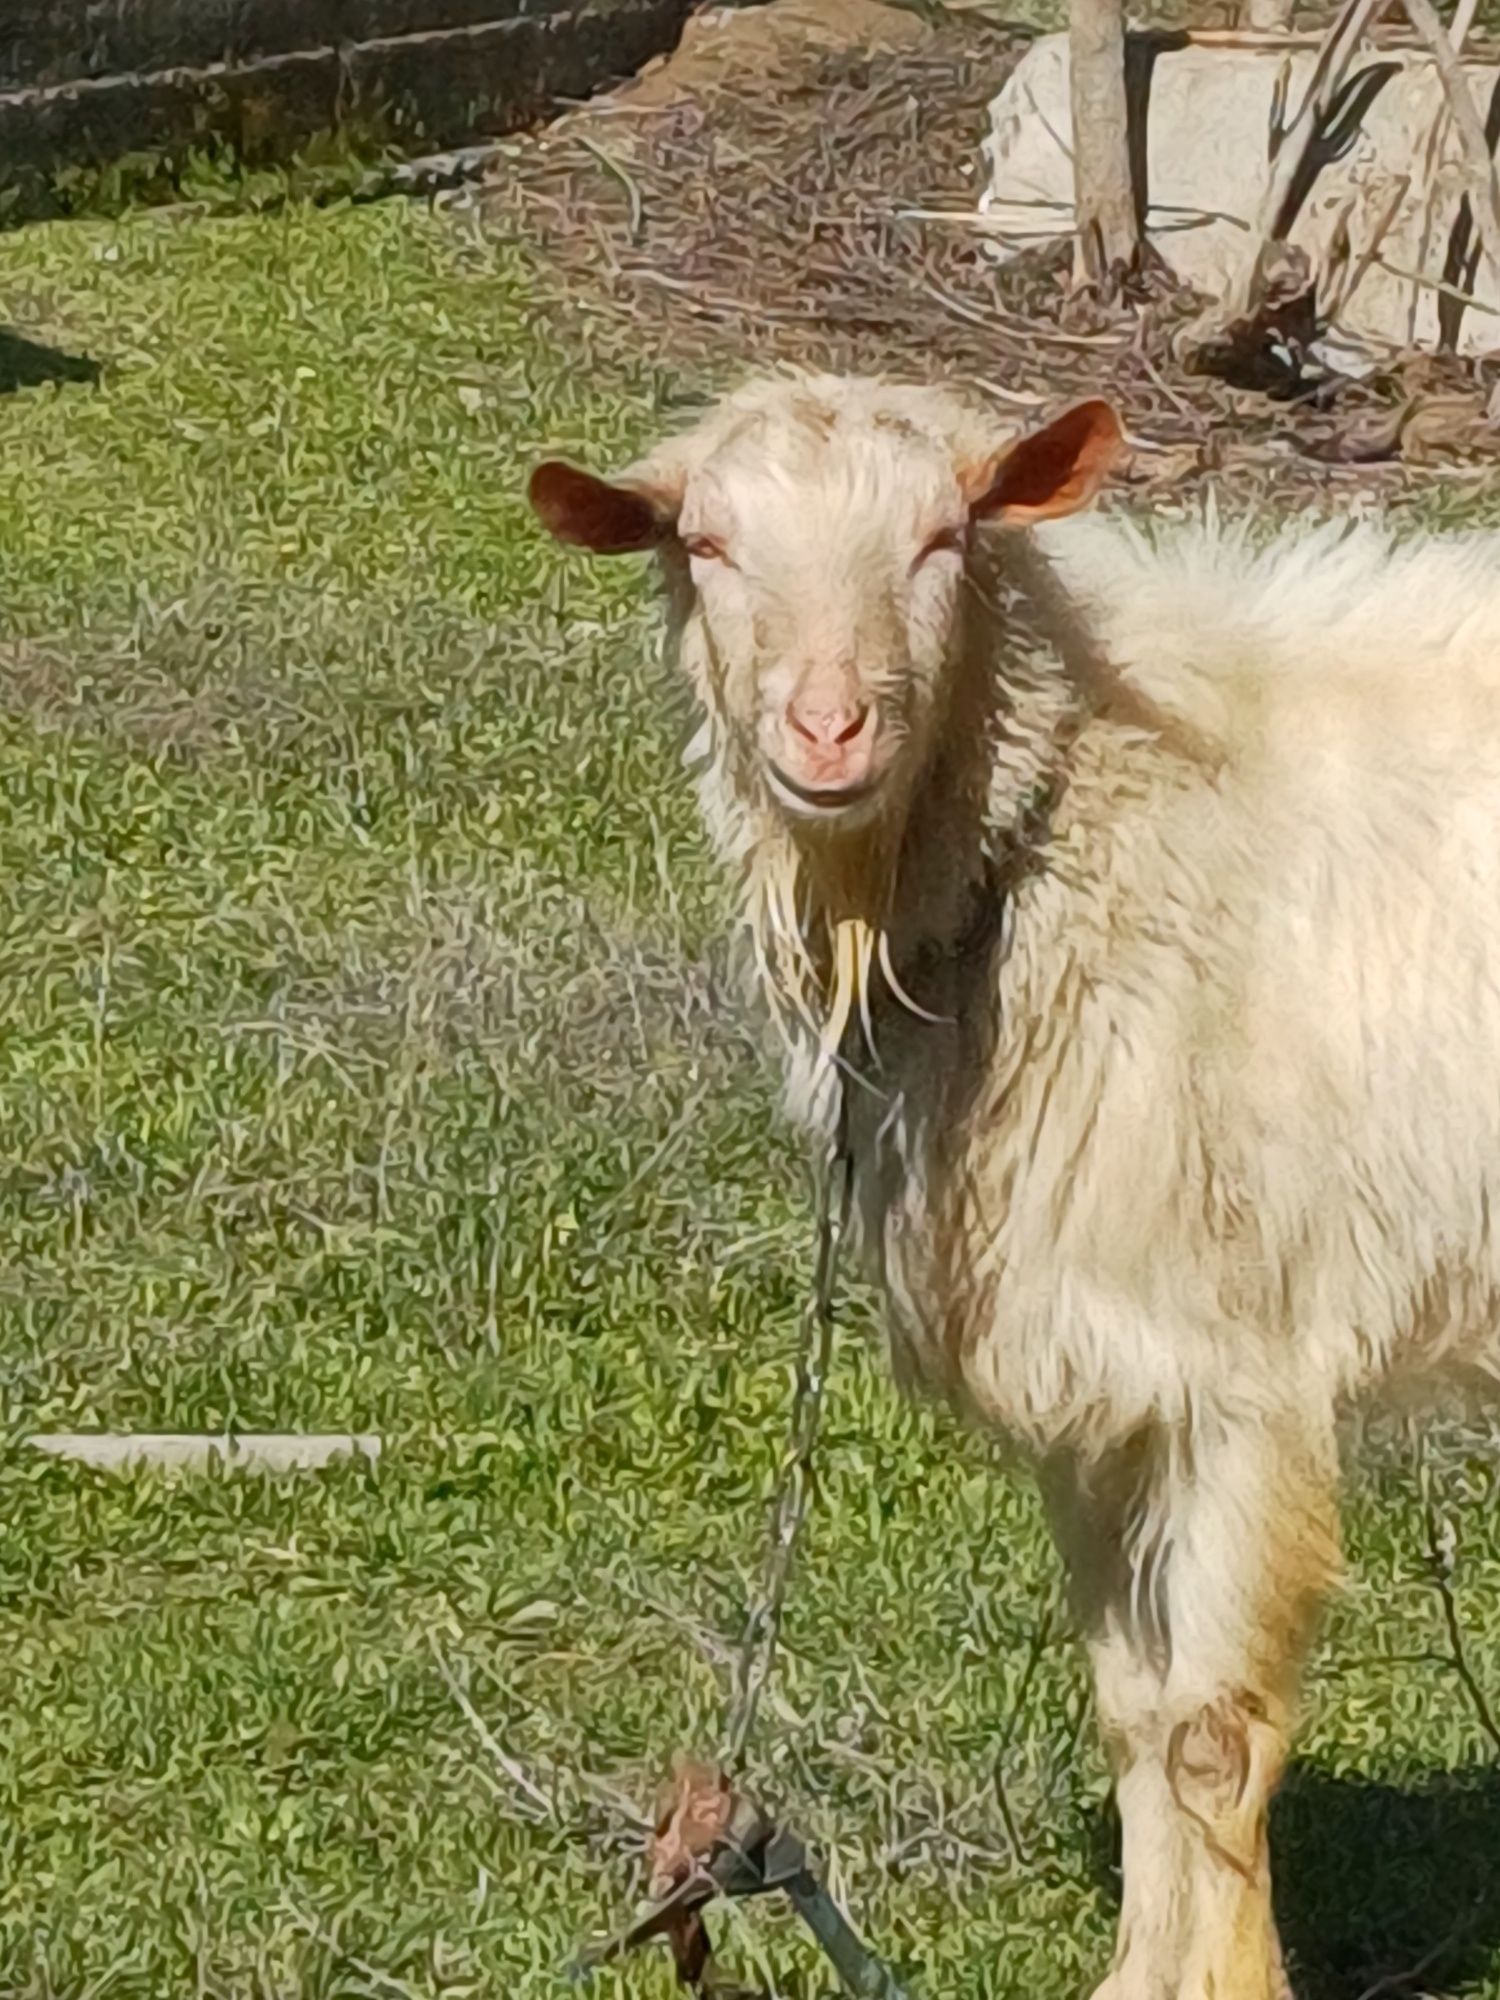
x=610 y=517
x=1053 y=472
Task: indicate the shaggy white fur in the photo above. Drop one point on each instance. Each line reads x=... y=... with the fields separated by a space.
x=1160 y=990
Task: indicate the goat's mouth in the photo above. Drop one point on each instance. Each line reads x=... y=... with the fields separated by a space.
x=821 y=801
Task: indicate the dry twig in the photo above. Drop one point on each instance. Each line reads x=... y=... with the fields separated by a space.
x=1484 y=197
x=1441 y=1553
x=798 y=203
x=1041 y=1635
x=1458 y=34
x=1405 y=1981
x=1290 y=146
x=538 y=1805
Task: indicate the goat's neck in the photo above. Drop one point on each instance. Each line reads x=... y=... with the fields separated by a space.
x=1005 y=749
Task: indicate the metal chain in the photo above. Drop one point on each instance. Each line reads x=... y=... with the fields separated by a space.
x=794 y=1482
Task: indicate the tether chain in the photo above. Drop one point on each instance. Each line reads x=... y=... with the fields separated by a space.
x=794 y=1482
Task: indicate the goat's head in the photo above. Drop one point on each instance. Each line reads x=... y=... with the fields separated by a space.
x=817 y=535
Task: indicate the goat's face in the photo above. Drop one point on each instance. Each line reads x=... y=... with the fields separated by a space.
x=818 y=535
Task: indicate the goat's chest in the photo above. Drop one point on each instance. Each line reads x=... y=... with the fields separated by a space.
x=1021 y=1201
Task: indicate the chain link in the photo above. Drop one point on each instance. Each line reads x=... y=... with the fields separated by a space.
x=794 y=1481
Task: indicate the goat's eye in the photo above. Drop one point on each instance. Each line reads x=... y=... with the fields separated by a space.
x=946 y=542
x=704 y=548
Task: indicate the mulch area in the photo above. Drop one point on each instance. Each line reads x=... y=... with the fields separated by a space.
x=797 y=183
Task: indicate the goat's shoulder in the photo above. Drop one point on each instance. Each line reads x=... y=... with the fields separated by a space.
x=1231 y=631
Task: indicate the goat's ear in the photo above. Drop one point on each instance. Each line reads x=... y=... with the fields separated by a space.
x=611 y=517
x=1055 y=471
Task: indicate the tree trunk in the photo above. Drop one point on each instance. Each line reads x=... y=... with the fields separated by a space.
x=1107 y=248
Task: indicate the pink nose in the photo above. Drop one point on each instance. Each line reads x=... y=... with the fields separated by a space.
x=827 y=727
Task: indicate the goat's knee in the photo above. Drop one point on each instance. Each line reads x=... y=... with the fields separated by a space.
x=1193 y=1789
x=1196 y=1679
x=1223 y=1762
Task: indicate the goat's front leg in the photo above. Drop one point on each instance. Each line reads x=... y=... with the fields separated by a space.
x=1198 y=1559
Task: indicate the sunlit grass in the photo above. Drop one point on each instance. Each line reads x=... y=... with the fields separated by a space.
x=369 y=1062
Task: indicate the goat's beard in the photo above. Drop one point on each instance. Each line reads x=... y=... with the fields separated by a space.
x=819 y=901
x=819 y=906
x=814 y=957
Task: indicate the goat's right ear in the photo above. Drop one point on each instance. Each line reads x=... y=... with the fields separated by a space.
x=609 y=517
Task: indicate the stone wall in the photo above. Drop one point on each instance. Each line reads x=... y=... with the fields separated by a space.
x=84 y=83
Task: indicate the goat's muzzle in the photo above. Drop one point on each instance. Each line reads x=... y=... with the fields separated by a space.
x=826 y=760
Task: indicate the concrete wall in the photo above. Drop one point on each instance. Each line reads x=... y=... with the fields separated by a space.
x=85 y=82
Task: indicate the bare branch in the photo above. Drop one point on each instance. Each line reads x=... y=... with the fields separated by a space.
x=1371 y=251
x=384 y=1982
x=1440 y=1555
x=1463 y=22
x=1484 y=196
x=1289 y=145
x=1041 y=1634
x=539 y=1805
x=1405 y=1981
x=1292 y=144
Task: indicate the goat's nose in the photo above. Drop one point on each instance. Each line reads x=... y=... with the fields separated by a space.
x=828 y=725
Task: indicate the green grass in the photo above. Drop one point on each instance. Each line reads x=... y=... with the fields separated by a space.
x=368 y=1062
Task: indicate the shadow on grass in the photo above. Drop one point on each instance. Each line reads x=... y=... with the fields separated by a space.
x=1388 y=1887
x=25 y=364
x=1379 y=1889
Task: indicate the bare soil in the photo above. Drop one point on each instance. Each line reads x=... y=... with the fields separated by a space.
x=797 y=183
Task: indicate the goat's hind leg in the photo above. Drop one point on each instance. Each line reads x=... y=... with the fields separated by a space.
x=1198 y=1559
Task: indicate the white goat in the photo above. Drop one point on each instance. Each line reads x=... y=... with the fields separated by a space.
x=1139 y=902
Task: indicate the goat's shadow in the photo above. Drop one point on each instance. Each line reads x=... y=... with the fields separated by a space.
x=1378 y=1888
x=26 y=364
x=1379 y=1884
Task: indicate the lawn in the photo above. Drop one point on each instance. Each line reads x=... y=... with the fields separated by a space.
x=369 y=1062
